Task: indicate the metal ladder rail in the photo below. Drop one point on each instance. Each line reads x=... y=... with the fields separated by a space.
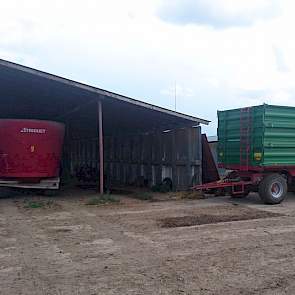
x=245 y=129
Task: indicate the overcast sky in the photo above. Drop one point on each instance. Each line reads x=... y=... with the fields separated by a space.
x=221 y=53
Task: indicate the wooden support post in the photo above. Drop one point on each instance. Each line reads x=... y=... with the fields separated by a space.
x=100 y=143
x=189 y=165
x=174 y=159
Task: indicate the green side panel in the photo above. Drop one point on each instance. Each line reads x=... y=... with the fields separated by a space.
x=229 y=126
x=279 y=135
x=271 y=139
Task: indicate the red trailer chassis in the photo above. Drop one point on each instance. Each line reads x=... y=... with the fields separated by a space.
x=271 y=182
x=237 y=187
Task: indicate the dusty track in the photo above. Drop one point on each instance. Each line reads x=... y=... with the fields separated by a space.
x=121 y=249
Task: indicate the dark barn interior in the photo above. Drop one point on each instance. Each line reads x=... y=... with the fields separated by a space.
x=139 y=144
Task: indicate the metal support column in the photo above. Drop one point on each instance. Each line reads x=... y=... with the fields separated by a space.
x=100 y=143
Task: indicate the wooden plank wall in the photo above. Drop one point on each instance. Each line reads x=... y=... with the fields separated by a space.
x=142 y=159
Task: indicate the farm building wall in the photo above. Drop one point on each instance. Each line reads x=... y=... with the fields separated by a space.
x=141 y=160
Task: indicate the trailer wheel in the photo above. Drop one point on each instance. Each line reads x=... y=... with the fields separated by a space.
x=273 y=189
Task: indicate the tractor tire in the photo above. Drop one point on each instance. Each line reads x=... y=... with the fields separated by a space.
x=273 y=189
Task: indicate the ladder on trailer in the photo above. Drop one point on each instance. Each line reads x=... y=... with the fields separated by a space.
x=245 y=137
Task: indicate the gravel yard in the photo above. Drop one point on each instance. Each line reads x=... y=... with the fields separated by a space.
x=61 y=245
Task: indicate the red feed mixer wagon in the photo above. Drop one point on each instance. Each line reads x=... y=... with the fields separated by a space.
x=30 y=153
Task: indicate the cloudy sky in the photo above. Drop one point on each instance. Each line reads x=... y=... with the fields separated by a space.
x=220 y=54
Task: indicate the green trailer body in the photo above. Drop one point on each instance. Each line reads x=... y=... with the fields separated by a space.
x=257 y=145
x=259 y=136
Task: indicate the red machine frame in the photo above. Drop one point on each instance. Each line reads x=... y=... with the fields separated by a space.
x=237 y=184
x=244 y=177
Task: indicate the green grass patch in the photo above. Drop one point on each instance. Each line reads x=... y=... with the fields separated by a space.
x=101 y=200
x=38 y=204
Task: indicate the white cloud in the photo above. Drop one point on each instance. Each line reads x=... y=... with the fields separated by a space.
x=124 y=46
x=218 y=13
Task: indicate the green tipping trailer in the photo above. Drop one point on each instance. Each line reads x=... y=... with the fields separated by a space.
x=262 y=135
x=257 y=144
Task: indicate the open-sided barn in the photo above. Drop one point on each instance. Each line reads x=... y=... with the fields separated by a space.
x=117 y=140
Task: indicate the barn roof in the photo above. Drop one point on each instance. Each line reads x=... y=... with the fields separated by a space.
x=30 y=93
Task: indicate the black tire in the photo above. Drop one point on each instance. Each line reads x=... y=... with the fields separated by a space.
x=166 y=185
x=273 y=189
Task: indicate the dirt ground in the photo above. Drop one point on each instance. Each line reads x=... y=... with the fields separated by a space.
x=67 y=247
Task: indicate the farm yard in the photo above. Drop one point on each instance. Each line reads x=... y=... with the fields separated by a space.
x=77 y=244
x=147 y=147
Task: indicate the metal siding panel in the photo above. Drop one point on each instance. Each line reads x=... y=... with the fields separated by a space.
x=273 y=135
x=229 y=124
x=279 y=136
